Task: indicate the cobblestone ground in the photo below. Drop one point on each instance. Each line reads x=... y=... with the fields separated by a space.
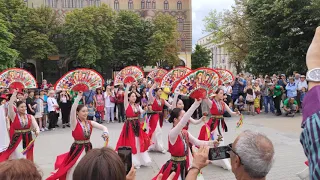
x=284 y=133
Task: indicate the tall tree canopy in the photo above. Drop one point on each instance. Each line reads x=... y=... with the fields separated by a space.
x=8 y=55
x=281 y=31
x=201 y=57
x=230 y=30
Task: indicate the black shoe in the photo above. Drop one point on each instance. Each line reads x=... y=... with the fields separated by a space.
x=68 y=125
x=57 y=125
x=63 y=126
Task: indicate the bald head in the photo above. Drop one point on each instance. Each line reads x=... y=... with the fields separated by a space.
x=256 y=152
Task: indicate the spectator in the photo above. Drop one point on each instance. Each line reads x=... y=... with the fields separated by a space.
x=120 y=101
x=276 y=91
x=45 y=85
x=252 y=156
x=39 y=110
x=99 y=102
x=91 y=111
x=44 y=98
x=239 y=104
x=53 y=109
x=250 y=97
x=19 y=169
x=31 y=105
x=200 y=160
x=64 y=101
x=291 y=88
x=302 y=95
x=310 y=124
x=237 y=88
x=290 y=106
x=267 y=96
x=283 y=82
x=297 y=78
x=88 y=97
x=110 y=100
x=90 y=166
x=301 y=84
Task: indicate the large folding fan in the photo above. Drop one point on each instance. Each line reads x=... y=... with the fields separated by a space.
x=128 y=74
x=17 y=78
x=198 y=84
x=226 y=76
x=174 y=75
x=157 y=74
x=80 y=80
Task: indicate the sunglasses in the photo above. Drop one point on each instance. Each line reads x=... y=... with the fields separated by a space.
x=230 y=148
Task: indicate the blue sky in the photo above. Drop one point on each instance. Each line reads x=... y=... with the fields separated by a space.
x=200 y=9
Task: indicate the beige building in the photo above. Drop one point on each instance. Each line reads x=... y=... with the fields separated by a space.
x=180 y=9
x=219 y=56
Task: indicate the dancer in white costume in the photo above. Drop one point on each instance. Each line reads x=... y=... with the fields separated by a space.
x=216 y=124
x=4 y=125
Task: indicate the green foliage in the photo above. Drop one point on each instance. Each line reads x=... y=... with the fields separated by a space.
x=8 y=55
x=201 y=57
x=162 y=47
x=230 y=30
x=281 y=32
x=88 y=34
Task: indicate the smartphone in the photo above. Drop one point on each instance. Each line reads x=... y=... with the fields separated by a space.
x=221 y=152
x=125 y=154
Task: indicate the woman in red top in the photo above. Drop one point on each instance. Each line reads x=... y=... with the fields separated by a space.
x=178 y=141
x=20 y=131
x=216 y=124
x=99 y=102
x=132 y=134
x=81 y=132
x=155 y=132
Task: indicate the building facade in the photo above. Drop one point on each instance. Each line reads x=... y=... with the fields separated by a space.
x=219 y=56
x=148 y=9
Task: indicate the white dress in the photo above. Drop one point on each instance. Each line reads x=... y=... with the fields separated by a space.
x=4 y=136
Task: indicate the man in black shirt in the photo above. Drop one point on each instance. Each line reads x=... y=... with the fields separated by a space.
x=30 y=103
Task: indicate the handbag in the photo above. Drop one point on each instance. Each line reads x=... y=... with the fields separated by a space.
x=113 y=99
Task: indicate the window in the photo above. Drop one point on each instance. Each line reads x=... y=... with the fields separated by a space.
x=154 y=4
x=179 y=5
x=183 y=44
x=116 y=5
x=166 y=5
x=98 y=2
x=51 y=3
x=148 y=4
x=130 y=4
x=180 y=24
x=142 y=4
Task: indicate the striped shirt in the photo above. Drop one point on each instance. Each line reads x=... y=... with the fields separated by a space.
x=310 y=136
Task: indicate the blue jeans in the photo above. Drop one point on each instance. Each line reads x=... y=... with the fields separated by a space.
x=266 y=101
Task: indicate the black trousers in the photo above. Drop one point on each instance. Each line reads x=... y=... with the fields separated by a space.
x=277 y=102
x=121 y=112
x=53 y=119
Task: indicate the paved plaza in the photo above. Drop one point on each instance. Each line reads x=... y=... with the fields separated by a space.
x=283 y=131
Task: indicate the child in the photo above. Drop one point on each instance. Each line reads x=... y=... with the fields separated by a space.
x=39 y=110
x=257 y=102
x=91 y=111
x=303 y=93
x=144 y=100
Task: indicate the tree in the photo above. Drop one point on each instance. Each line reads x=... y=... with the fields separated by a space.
x=88 y=35
x=230 y=30
x=201 y=57
x=8 y=55
x=281 y=32
x=129 y=40
x=162 y=48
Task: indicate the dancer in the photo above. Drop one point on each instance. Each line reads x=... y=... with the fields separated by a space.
x=178 y=103
x=132 y=134
x=216 y=123
x=20 y=131
x=179 y=140
x=4 y=125
x=155 y=132
x=81 y=132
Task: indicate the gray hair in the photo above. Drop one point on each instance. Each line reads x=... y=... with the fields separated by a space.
x=256 y=153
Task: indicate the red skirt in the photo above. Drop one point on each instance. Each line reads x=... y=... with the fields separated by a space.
x=153 y=122
x=100 y=109
x=130 y=130
x=15 y=140
x=64 y=162
x=181 y=168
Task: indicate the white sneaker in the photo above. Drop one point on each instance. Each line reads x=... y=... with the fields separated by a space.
x=41 y=129
x=53 y=129
x=46 y=129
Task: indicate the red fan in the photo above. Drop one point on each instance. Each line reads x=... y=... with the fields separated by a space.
x=17 y=78
x=128 y=75
x=157 y=74
x=226 y=76
x=80 y=80
x=198 y=84
x=174 y=75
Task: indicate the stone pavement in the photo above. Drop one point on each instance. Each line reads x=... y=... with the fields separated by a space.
x=283 y=131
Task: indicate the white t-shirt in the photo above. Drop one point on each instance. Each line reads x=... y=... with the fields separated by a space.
x=227 y=90
x=107 y=101
x=51 y=101
x=302 y=84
